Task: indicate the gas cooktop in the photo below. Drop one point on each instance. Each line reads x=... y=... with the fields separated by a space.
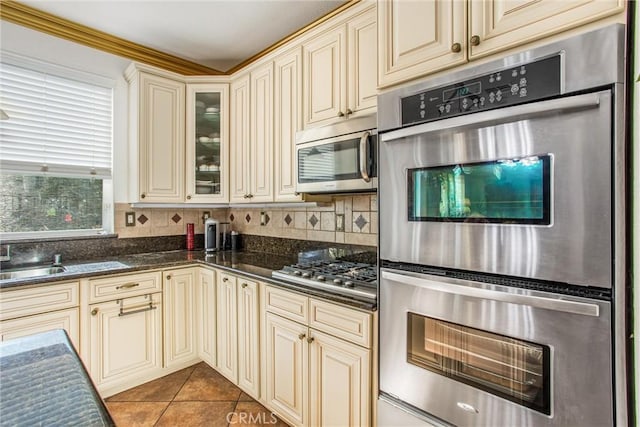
x=340 y=277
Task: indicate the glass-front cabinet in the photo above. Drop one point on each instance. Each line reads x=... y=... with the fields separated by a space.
x=207 y=143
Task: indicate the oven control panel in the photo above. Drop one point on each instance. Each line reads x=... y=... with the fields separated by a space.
x=510 y=86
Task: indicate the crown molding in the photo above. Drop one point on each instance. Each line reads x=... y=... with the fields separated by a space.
x=35 y=19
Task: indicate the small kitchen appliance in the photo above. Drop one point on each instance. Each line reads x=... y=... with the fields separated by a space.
x=211 y=235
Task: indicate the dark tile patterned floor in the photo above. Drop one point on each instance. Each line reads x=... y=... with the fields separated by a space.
x=195 y=396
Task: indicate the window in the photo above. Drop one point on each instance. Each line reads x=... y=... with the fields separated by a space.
x=55 y=151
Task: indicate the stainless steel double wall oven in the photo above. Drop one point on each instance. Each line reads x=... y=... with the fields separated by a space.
x=501 y=191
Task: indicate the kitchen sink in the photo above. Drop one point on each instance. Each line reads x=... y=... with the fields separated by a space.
x=23 y=273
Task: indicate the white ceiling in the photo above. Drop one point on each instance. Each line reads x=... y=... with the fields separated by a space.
x=216 y=33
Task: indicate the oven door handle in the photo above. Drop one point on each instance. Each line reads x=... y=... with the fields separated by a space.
x=501 y=115
x=455 y=286
x=364 y=156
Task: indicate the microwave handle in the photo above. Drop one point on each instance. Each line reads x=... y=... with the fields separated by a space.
x=501 y=115
x=455 y=286
x=364 y=155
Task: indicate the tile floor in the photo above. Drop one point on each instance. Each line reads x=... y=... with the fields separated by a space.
x=195 y=396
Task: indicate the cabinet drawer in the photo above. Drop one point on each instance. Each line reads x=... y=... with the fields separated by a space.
x=287 y=304
x=64 y=319
x=25 y=302
x=342 y=322
x=111 y=287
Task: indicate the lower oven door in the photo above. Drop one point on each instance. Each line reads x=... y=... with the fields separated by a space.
x=486 y=355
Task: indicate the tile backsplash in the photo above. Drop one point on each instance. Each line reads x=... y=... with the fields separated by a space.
x=359 y=215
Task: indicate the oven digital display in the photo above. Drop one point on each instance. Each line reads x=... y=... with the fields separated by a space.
x=506 y=191
x=461 y=92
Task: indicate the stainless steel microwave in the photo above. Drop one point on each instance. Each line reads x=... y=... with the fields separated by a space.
x=339 y=158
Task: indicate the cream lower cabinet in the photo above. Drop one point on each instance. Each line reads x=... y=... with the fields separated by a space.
x=180 y=330
x=40 y=309
x=206 y=315
x=238 y=332
x=315 y=374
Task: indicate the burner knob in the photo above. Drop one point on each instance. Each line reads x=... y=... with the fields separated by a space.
x=296 y=272
x=348 y=284
x=337 y=281
x=306 y=274
x=320 y=278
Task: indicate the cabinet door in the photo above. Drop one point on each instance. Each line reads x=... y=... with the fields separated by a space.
x=325 y=76
x=340 y=378
x=240 y=139
x=363 y=71
x=248 y=337
x=227 y=328
x=63 y=319
x=288 y=121
x=207 y=143
x=179 y=317
x=161 y=139
x=206 y=315
x=261 y=147
x=419 y=37
x=125 y=340
x=286 y=376
x=502 y=24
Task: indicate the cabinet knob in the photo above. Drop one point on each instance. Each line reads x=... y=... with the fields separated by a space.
x=94 y=311
x=250 y=196
x=349 y=112
x=225 y=279
x=310 y=340
x=168 y=277
x=340 y=114
x=189 y=197
x=301 y=336
x=142 y=196
x=456 y=47
x=474 y=40
x=246 y=196
x=244 y=285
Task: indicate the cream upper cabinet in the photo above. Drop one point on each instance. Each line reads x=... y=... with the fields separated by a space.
x=157 y=127
x=497 y=25
x=261 y=139
x=240 y=138
x=340 y=73
x=417 y=37
x=287 y=121
x=206 y=315
x=207 y=143
x=180 y=333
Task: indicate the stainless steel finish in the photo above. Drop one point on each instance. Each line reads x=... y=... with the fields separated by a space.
x=581 y=360
x=211 y=235
x=23 y=273
x=478 y=290
x=5 y=252
x=57 y=260
x=363 y=156
x=394 y=413
x=588 y=53
x=366 y=293
x=357 y=124
x=487 y=118
x=564 y=251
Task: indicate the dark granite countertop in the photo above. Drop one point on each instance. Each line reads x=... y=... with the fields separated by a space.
x=44 y=383
x=256 y=265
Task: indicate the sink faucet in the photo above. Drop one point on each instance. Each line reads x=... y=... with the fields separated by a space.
x=57 y=260
x=5 y=253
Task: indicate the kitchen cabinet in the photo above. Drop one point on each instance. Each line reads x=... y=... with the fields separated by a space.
x=287 y=121
x=416 y=38
x=157 y=137
x=240 y=139
x=206 y=315
x=123 y=342
x=317 y=361
x=207 y=143
x=238 y=332
x=339 y=72
x=40 y=309
x=180 y=334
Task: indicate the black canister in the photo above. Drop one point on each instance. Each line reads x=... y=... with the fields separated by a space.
x=235 y=241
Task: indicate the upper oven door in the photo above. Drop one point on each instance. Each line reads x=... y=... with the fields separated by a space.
x=522 y=191
x=344 y=163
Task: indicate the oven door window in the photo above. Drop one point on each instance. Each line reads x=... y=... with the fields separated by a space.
x=511 y=191
x=337 y=161
x=513 y=369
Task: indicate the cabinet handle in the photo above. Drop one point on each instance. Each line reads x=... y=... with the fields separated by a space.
x=301 y=336
x=244 y=285
x=224 y=279
x=246 y=196
x=142 y=196
x=310 y=340
x=94 y=311
x=474 y=40
x=456 y=47
x=340 y=114
x=168 y=277
x=128 y=286
x=189 y=197
x=349 y=112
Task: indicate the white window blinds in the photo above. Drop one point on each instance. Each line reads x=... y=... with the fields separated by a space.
x=56 y=125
